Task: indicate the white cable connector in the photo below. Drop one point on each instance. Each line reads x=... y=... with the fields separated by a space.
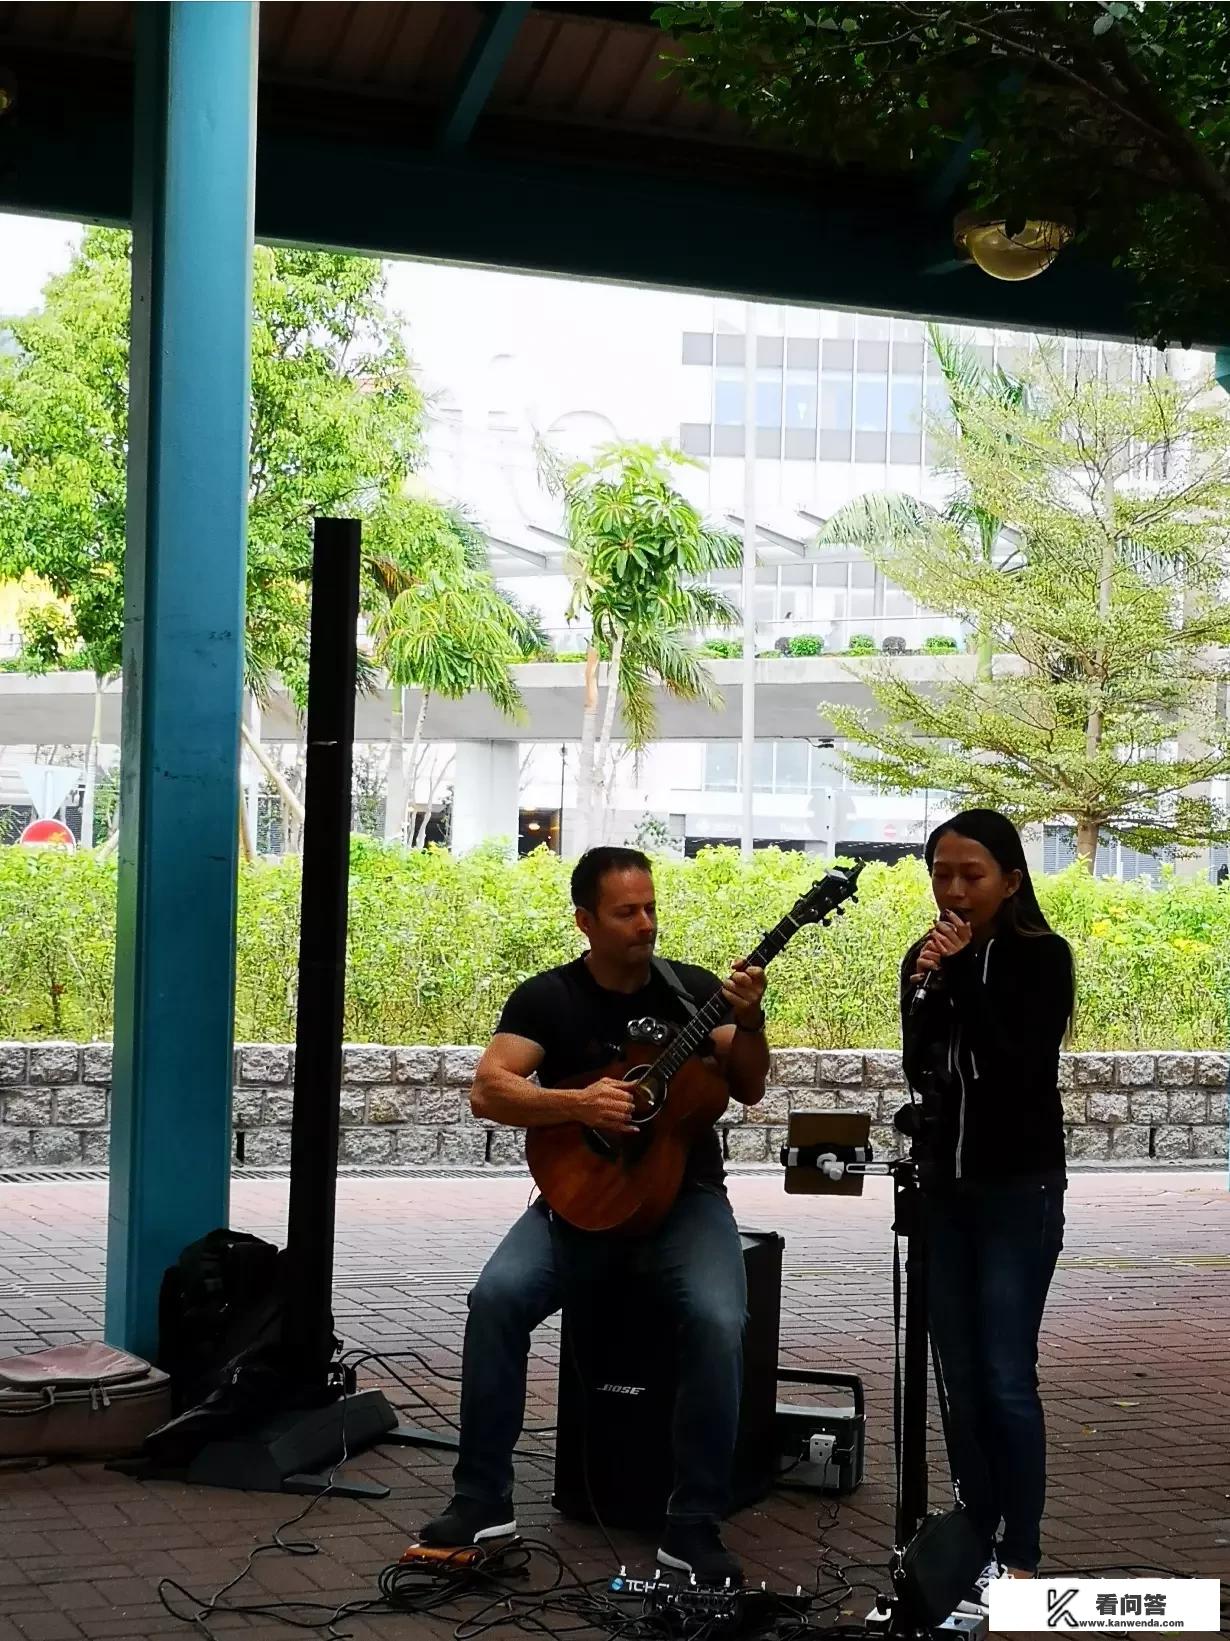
x=820 y=1449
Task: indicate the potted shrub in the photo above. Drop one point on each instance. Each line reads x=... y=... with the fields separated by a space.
x=807 y=643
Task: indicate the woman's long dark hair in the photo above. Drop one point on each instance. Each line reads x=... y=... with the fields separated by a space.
x=1020 y=913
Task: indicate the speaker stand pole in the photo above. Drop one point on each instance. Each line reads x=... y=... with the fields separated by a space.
x=322 y=1419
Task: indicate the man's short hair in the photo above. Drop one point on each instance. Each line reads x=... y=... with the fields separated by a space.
x=593 y=866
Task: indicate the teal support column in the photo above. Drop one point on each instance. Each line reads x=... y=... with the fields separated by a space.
x=194 y=172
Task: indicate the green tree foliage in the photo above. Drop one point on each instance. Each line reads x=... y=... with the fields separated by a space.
x=439 y=622
x=1107 y=615
x=436 y=944
x=334 y=430
x=1113 y=112
x=637 y=554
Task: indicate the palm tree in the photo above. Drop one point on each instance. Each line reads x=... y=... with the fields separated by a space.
x=886 y=520
x=637 y=553
x=439 y=623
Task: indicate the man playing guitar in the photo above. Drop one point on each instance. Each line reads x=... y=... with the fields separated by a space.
x=555 y=1026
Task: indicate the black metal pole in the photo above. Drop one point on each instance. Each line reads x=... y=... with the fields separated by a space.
x=322 y=949
x=913 y=1498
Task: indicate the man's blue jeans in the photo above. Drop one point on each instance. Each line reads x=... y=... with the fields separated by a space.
x=695 y=1262
x=992 y=1252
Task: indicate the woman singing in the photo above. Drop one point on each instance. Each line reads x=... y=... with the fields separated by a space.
x=986 y=999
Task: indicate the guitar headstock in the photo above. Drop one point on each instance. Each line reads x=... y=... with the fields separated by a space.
x=828 y=895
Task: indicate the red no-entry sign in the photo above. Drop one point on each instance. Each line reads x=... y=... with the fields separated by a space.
x=49 y=832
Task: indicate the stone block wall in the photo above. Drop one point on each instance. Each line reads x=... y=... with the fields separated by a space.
x=407 y=1107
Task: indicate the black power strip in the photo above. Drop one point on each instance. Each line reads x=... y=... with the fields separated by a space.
x=732 y=1610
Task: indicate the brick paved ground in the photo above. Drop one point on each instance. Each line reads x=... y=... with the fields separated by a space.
x=1134 y=1362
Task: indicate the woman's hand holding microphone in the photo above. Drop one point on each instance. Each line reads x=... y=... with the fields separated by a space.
x=950 y=935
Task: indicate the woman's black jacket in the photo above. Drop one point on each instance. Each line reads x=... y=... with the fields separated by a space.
x=981 y=1053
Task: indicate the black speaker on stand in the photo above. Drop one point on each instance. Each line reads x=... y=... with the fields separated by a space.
x=311 y=1417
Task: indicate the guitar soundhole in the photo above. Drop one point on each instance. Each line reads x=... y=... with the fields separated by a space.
x=629 y=1148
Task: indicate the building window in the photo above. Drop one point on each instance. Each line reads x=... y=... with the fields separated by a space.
x=769 y=411
x=790 y=771
x=836 y=414
x=905 y=419
x=938 y=409
x=778 y=767
x=836 y=399
x=802 y=399
x=907 y=404
x=728 y=393
x=1113 y=859
x=870 y=418
x=721 y=766
x=796 y=598
x=768 y=398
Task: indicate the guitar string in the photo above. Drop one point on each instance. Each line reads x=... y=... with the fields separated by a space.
x=709 y=1014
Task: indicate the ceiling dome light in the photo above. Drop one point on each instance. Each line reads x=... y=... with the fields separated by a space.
x=1024 y=253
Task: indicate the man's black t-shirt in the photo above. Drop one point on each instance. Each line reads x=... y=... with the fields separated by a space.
x=581 y=1026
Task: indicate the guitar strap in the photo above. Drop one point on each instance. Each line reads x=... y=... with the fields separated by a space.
x=665 y=971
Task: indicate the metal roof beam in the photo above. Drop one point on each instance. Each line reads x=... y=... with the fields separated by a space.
x=479 y=73
x=540 y=561
x=555 y=536
x=792 y=544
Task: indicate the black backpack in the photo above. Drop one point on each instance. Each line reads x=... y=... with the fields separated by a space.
x=219 y=1303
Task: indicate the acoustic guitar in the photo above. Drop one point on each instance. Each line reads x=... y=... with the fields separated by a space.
x=627 y=1182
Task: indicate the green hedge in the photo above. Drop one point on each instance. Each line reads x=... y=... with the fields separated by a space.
x=437 y=943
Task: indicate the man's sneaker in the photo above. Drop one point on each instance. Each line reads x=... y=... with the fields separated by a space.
x=469 y=1521
x=696 y=1547
x=976 y=1600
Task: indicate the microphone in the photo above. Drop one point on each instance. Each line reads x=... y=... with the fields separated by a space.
x=920 y=990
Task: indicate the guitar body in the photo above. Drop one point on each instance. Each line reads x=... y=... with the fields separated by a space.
x=625 y=1182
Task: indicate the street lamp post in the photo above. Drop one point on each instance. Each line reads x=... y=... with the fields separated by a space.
x=746 y=788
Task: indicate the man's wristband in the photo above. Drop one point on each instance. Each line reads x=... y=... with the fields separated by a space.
x=752 y=1031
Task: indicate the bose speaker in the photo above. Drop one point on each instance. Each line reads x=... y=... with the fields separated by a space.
x=617 y=1378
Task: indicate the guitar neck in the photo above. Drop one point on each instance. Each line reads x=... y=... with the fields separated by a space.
x=696 y=1032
